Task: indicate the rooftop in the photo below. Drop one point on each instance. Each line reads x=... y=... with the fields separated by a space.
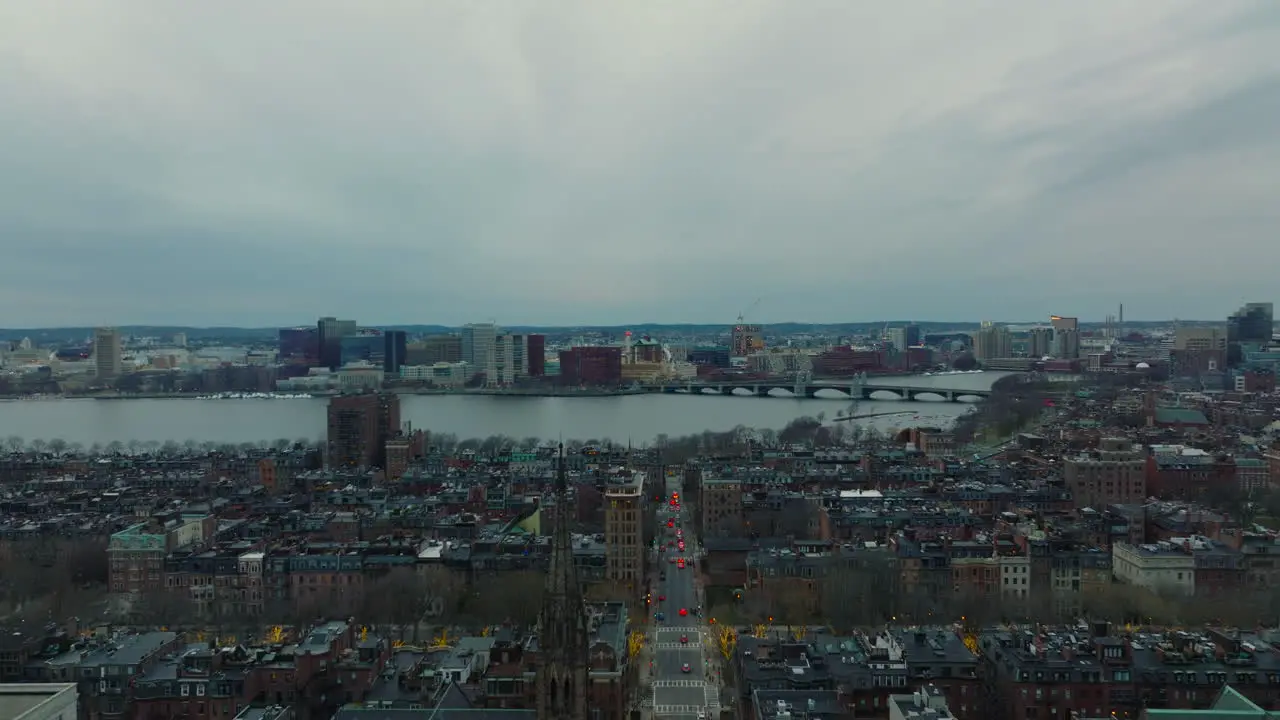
x=18 y=699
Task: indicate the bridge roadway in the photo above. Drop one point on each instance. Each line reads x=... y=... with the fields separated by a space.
x=858 y=388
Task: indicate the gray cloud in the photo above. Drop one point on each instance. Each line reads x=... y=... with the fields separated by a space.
x=600 y=163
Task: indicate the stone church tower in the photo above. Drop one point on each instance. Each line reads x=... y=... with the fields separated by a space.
x=563 y=673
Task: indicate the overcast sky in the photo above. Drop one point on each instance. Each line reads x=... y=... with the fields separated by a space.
x=541 y=162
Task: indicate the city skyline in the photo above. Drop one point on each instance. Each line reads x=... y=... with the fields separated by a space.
x=891 y=323
x=585 y=165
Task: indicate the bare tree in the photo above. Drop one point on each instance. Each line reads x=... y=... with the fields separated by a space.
x=793 y=604
x=513 y=597
x=860 y=591
x=162 y=608
x=15 y=443
x=405 y=599
x=57 y=446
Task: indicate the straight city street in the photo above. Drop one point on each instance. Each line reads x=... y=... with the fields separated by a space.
x=684 y=683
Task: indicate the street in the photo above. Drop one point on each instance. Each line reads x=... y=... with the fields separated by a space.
x=682 y=643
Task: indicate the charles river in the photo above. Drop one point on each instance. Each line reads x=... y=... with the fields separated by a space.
x=638 y=418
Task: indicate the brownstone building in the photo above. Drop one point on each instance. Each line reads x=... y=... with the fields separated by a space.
x=1112 y=474
x=359 y=427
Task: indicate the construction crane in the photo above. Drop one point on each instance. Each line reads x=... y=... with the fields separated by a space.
x=742 y=315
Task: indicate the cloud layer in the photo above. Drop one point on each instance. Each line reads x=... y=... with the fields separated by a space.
x=574 y=163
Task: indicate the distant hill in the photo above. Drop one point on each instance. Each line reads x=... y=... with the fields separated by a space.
x=261 y=334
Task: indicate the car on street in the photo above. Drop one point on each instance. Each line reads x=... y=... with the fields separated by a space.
x=680 y=564
x=684 y=639
x=662 y=598
x=684 y=612
x=685 y=668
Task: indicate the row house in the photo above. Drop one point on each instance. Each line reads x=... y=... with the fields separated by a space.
x=1186 y=473
x=205 y=577
x=107 y=671
x=324 y=667
x=860 y=673
x=1053 y=673
x=136 y=555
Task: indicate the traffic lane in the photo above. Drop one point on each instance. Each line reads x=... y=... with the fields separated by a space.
x=678 y=594
x=680 y=697
x=670 y=664
x=676 y=602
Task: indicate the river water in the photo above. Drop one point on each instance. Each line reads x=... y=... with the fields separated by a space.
x=638 y=418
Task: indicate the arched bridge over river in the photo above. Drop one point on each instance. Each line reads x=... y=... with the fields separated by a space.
x=859 y=388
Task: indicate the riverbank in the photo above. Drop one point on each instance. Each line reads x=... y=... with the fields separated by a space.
x=551 y=392
x=638 y=418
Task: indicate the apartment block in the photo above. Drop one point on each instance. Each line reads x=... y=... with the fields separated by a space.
x=624 y=530
x=1114 y=473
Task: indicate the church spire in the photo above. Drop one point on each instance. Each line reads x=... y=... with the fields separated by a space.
x=563 y=673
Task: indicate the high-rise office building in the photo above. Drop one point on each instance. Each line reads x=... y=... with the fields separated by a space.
x=299 y=345
x=904 y=336
x=434 y=349
x=536 y=349
x=395 y=344
x=363 y=346
x=1066 y=337
x=1066 y=344
x=505 y=367
x=510 y=359
x=330 y=331
x=1040 y=342
x=107 y=354
x=1248 y=328
x=992 y=341
x=1064 y=323
x=478 y=346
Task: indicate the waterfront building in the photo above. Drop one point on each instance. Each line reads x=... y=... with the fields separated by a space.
x=106 y=354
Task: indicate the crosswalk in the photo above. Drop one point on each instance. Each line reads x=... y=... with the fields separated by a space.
x=711 y=693
x=691 y=632
x=675 y=646
x=677 y=683
x=676 y=709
